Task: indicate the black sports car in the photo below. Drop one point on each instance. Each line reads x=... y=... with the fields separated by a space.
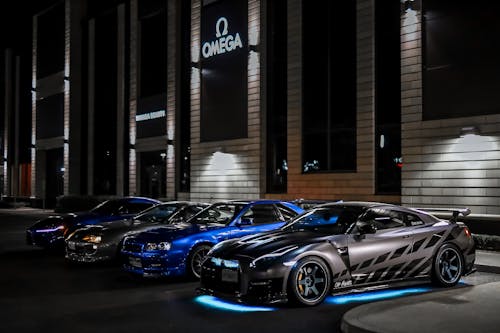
x=337 y=247
x=50 y=232
x=101 y=242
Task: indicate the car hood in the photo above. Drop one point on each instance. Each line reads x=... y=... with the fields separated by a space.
x=88 y=218
x=170 y=232
x=257 y=245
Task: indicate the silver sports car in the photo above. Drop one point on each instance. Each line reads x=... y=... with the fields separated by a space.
x=337 y=247
x=102 y=242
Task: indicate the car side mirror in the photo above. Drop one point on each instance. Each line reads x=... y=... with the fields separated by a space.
x=245 y=221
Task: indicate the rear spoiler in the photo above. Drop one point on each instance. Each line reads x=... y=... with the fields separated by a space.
x=456 y=212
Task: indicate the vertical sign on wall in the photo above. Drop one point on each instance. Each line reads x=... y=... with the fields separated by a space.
x=224 y=61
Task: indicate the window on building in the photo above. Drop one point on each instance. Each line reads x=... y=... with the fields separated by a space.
x=329 y=86
x=50 y=117
x=276 y=95
x=388 y=160
x=106 y=90
x=153 y=48
x=461 y=75
x=185 y=101
x=50 y=41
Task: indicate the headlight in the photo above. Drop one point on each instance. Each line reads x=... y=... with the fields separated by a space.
x=273 y=255
x=92 y=239
x=162 y=246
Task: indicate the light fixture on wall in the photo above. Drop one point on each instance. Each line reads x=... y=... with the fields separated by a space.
x=195 y=64
x=469 y=131
x=407 y=5
x=254 y=48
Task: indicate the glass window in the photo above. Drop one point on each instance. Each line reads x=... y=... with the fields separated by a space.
x=413 y=220
x=332 y=220
x=260 y=214
x=135 y=207
x=50 y=41
x=276 y=96
x=287 y=213
x=218 y=213
x=158 y=214
x=382 y=218
x=388 y=159
x=329 y=86
x=461 y=74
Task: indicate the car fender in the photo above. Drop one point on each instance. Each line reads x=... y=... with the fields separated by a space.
x=325 y=251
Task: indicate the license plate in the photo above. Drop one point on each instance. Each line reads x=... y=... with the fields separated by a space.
x=135 y=262
x=71 y=245
x=229 y=275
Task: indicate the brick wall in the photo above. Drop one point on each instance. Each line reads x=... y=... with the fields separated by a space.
x=440 y=167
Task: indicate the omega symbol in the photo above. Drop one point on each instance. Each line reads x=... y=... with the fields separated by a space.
x=217 y=27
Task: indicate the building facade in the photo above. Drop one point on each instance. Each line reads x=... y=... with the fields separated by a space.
x=241 y=99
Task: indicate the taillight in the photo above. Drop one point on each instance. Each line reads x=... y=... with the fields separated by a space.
x=467 y=232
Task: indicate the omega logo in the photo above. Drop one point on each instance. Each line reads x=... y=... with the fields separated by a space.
x=225 y=42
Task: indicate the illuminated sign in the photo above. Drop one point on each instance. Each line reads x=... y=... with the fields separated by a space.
x=150 y=115
x=225 y=42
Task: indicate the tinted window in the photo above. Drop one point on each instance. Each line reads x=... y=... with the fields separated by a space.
x=158 y=214
x=287 y=213
x=383 y=218
x=218 y=213
x=413 y=220
x=262 y=214
x=136 y=207
x=333 y=220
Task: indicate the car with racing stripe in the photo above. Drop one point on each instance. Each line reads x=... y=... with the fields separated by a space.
x=338 y=247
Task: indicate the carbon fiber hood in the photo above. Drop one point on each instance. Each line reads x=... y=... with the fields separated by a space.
x=169 y=232
x=257 y=245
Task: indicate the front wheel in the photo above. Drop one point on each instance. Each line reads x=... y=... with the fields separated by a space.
x=309 y=281
x=448 y=266
x=196 y=257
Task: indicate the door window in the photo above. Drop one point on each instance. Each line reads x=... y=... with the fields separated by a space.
x=261 y=214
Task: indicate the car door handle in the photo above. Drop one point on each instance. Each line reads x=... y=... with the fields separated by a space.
x=406 y=236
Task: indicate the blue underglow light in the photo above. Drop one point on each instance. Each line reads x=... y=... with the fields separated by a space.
x=51 y=229
x=216 y=303
x=375 y=295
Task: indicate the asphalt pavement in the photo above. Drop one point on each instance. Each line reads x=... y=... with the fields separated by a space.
x=40 y=292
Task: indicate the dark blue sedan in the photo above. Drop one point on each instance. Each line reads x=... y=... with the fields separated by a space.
x=179 y=249
x=49 y=232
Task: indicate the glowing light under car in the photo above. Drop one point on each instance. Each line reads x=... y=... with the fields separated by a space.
x=216 y=303
x=375 y=295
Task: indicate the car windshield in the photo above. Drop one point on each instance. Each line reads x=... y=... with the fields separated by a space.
x=159 y=214
x=109 y=207
x=332 y=220
x=218 y=213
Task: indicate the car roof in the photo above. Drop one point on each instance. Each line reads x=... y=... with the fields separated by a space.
x=180 y=202
x=248 y=202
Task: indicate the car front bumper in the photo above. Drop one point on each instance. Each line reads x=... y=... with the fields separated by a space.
x=88 y=252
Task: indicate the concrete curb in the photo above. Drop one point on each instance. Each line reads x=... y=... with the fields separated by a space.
x=465 y=309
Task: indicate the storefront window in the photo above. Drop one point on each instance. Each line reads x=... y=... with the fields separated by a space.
x=329 y=86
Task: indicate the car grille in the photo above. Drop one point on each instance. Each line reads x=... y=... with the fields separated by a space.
x=132 y=247
x=211 y=278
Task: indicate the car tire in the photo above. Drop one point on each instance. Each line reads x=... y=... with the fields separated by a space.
x=448 y=266
x=195 y=259
x=309 y=282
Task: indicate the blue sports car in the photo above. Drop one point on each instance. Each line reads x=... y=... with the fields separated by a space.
x=49 y=232
x=179 y=249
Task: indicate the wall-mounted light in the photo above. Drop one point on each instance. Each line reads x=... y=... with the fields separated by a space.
x=131 y=146
x=33 y=90
x=33 y=146
x=66 y=141
x=66 y=78
x=170 y=142
x=195 y=64
x=407 y=5
x=469 y=130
